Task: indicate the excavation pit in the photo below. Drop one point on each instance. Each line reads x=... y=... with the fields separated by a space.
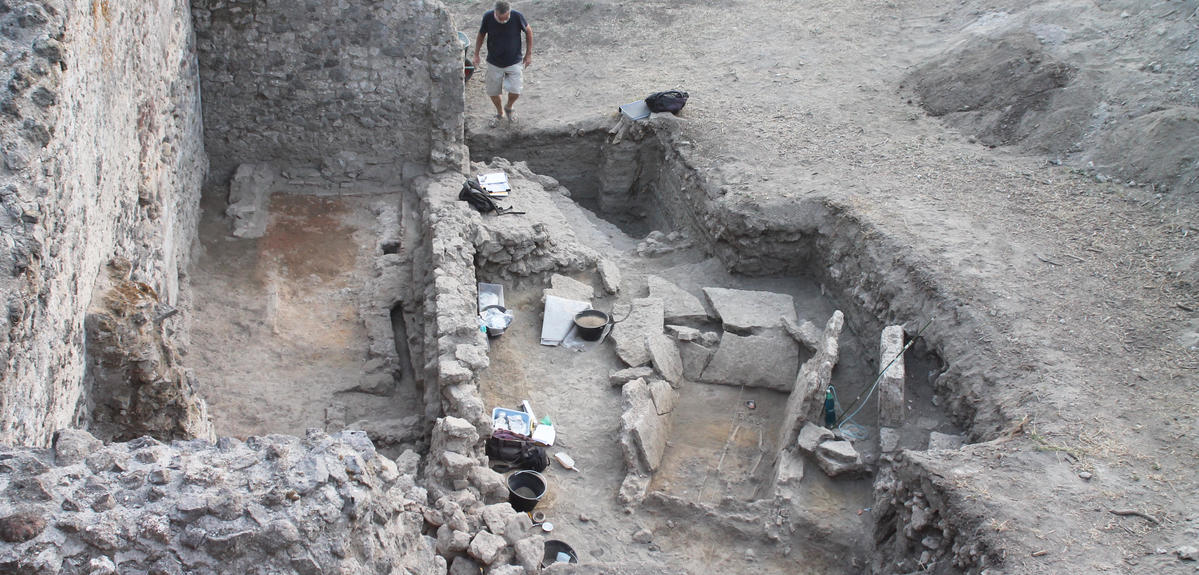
x=716 y=449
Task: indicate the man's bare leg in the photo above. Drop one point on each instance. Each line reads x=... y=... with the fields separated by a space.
x=508 y=109
x=499 y=106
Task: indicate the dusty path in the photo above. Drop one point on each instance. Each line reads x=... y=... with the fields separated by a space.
x=1089 y=332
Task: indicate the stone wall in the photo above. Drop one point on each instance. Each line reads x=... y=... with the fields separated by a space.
x=275 y=504
x=336 y=88
x=100 y=131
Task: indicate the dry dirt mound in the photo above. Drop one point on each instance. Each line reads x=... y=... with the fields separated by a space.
x=1110 y=90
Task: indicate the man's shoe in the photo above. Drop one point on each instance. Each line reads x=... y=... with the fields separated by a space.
x=511 y=114
x=495 y=121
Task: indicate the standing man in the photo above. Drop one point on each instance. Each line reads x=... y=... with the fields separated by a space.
x=502 y=27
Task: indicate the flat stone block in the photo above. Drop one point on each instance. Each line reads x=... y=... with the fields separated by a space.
x=665 y=357
x=745 y=310
x=769 y=360
x=811 y=436
x=890 y=388
x=679 y=304
x=630 y=335
x=695 y=359
x=938 y=440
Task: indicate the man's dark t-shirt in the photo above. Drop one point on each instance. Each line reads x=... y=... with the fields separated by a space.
x=503 y=40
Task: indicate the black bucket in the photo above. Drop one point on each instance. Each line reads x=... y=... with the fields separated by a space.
x=552 y=548
x=590 y=324
x=525 y=489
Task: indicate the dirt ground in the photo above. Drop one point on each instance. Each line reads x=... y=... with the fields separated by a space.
x=1088 y=284
x=278 y=340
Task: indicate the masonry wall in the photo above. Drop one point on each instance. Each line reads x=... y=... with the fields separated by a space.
x=100 y=131
x=347 y=90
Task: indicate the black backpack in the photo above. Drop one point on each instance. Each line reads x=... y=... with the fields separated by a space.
x=473 y=194
x=509 y=454
x=669 y=101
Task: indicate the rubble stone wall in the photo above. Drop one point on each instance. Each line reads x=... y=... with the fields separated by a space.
x=923 y=523
x=102 y=157
x=344 y=88
x=275 y=504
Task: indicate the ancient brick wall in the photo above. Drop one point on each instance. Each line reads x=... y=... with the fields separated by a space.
x=337 y=89
x=100 y=131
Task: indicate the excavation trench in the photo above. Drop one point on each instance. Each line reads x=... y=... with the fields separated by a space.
x=715 y=479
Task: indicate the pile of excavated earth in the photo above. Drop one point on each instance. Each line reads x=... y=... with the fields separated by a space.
x=906 y=287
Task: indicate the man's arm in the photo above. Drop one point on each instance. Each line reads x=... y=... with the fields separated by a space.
x=478 y=46
x=528 y=45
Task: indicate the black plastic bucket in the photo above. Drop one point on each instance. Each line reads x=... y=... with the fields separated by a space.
x=590 y=324
x=525 y=489
x=552 y=548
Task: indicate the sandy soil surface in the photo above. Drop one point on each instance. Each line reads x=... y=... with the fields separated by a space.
x=1087 y=284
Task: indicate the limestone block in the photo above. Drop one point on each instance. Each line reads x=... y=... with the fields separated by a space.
x=643 y=432
x=888 y=439
x=486 y=547
x=811 y=436
x=454 y=434
x=678 y=304
x=938 y=440
x=790 y=469
x=450 y=542
x=518 y=527
x=569 y=288
x=621 y=377
x=645 y=318
x=769 y=359
x=498 y=569
x=249 y=194
x=496 y=517
x=665 y=357
x=890 y=387
x=695 y=359
x=683 y=333
x=804 y=332
x=529 y=552
x=665 y=397
x=72 y=446
x=838 y=458
x=491 y=485
x=746 y=310
x=463 y=565
x=610 y=276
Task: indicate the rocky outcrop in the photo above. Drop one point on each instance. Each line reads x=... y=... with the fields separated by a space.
x=277 y=504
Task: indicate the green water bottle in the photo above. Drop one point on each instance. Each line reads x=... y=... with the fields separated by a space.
x=830 y=408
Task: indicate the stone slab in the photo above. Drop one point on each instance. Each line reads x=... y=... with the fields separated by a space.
x=610 y=276
x=665 y=357
x=569 y=288
x=645 y=318
x=679 y=305
x=790 y=469
x=746 y=310
x=938 y=440
x=838 y=458
x=695 y=359
x=623 y=376
x=891 y=406
x=643 y=432
x=769 y=359
x=811 y=436
x=665 y=397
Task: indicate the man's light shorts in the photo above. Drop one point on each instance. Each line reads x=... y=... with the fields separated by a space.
x=508 y=78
